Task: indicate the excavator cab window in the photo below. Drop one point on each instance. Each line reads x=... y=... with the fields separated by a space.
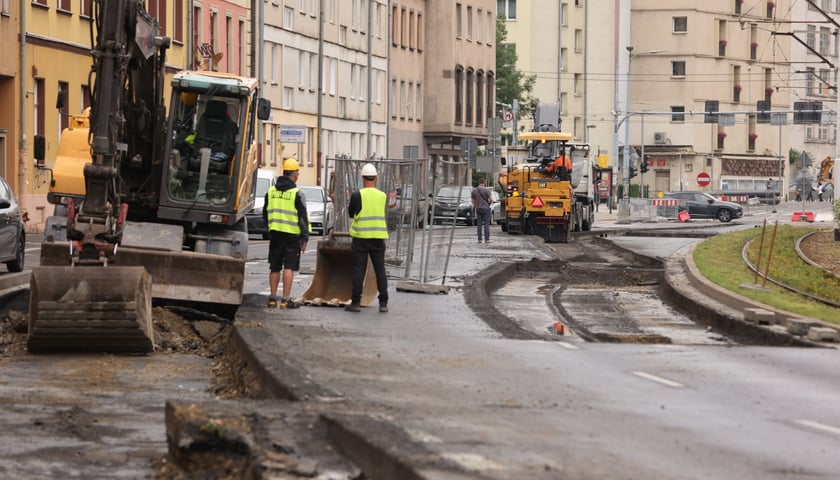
x=204 y=123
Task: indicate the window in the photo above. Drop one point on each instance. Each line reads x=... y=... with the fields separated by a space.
x=459 y=94
x=479 y=96
x=678 y=68
x=229 y=47
x=39 y=106
x=85 y=96
x=362 y=83
x=458 y=21
x=470 y=94
x=288 y=95
x=42 y=3
x=578 y=40
x=404 y=27
x=395 y=25
x=469 y=22
x=489 y=98
x=288 y=18
x=677 y=114
x=564 y=14
x=680 y=24
x=178 y=19
x=506 y=8
x=4 y=7
x=379 y=75
x=576 y=85
x=491 y=29
x=303 y=69
x=479 y=17
x=392 y=94
x=403 y=99
x=64 y=5
x=412 y=32
x=824 y=39
x=342 y=107
x=809 y=80
x=333 y=74
x=410 y=97
x=418 y=102
x=157 y=9
x=353 y=82
x=810 y=37
x=738 y=5
x=420 y=38
x=342 y=35
x=563 y=102
x=64 y=89
x=85 y=8
x=275 y=63
x=825 y=78
x=332 y=11
x=378 y=20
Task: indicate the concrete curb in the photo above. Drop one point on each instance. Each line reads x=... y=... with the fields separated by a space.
x=724 y=308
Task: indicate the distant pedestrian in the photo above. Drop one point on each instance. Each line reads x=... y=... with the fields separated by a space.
x=828 y=192
x=369 y=231
x=481 y=200
x=810 y=197
x=288 y=229
x=820 y=190
x=798 y=194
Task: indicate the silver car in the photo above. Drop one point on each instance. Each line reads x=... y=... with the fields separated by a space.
x=320 y=209
x=12 y=231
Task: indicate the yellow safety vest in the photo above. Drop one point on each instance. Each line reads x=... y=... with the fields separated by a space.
x=370 y=222
x=282 y=214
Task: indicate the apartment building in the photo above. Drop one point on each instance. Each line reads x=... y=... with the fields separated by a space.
x=406 y=80
x=569 y=46
x=221 y=35
x=459 y=82
x=352 y=79
x=814 y=79
x=683 y=54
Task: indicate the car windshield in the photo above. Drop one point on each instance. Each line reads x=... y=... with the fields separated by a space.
x=461 y=193
x=313 y=194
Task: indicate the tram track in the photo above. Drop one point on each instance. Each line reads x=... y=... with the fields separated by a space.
x=755 y=269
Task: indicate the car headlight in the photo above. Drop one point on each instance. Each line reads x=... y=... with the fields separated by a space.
x=465 y=205
x=316 y=214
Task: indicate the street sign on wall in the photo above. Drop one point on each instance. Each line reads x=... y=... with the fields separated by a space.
x=292 y=134
x=703 y=179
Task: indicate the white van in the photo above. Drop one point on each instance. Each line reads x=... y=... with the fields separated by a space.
x=256 y=224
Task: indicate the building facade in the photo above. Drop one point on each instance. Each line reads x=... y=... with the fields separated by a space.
x=681 y=56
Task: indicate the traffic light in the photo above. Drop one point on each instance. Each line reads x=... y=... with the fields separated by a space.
x=645 y=164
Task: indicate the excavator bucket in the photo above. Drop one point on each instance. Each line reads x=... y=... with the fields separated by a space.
x=108 y=308
x=91 y=309
x=333 y=280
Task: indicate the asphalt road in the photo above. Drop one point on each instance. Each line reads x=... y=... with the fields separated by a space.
x=501 y=408
x=489 y=406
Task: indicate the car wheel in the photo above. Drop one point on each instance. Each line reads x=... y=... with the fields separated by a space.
x=16 y=265
x=724 y=215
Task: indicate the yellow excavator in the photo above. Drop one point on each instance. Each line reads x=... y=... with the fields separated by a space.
x=826 y=170
x=148 y=204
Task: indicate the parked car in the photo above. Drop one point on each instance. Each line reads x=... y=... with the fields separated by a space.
x=320 y=209
x=497 y=209
x=453 y=202
x=12 y=231
x=402 y=209
x=703 y=205
x=256 y=224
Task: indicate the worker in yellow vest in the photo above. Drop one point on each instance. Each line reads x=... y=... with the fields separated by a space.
x=369 y=231
x=288 y=229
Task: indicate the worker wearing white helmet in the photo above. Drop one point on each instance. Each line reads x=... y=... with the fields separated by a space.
x=369 y=231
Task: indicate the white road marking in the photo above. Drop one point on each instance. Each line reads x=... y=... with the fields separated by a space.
x=568 y=346
x=819 y=426
x=657 y=379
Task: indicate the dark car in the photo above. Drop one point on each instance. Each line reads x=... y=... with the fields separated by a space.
x=12 y=232
x=703 y=205
x=401 y=211
x=453 y=202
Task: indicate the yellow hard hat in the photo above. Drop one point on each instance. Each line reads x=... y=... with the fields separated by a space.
x=189 y=98
x=290 y=165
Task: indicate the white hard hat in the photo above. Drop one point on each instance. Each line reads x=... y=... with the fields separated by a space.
x=368 y=170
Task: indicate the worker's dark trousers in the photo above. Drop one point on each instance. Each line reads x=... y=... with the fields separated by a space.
x=482 y=219
x=375 y=248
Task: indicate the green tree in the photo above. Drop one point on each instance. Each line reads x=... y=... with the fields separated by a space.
x=511 y=83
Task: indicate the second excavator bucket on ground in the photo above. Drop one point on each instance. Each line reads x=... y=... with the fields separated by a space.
x=90 y=309
x=333 y=280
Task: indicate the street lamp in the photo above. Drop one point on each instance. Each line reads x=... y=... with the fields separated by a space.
x=624 y=205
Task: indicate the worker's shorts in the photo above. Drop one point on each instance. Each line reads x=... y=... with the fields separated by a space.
x=283 y=251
